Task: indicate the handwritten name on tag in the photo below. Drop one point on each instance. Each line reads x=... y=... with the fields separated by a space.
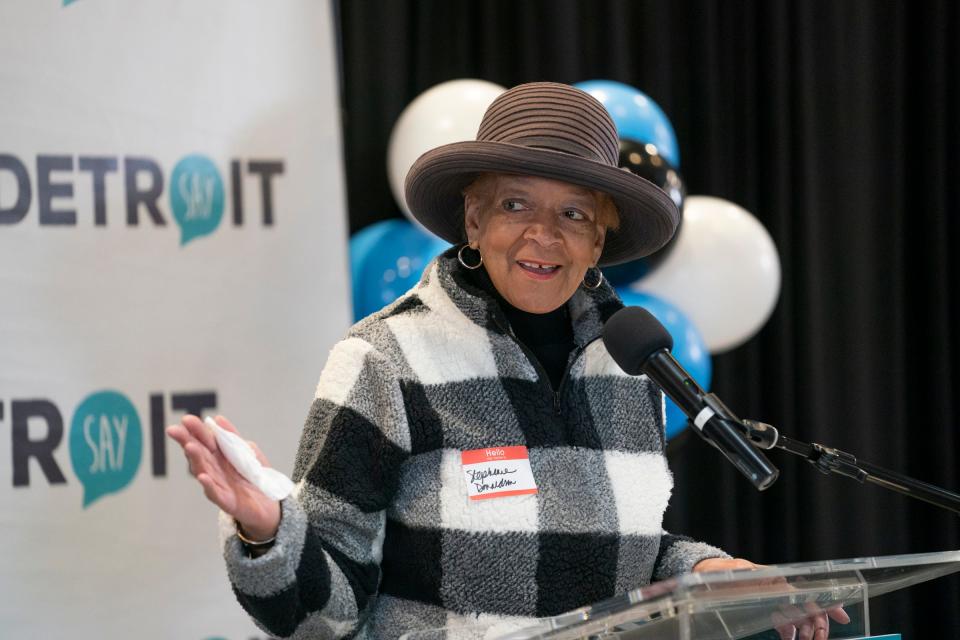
x=497 y=472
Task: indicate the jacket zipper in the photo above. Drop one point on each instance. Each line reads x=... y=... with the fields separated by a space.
x=542 y=373
x=566 y=374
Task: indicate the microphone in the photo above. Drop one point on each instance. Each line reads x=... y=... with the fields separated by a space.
x=638 y=343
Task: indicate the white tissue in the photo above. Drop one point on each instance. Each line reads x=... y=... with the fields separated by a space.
x=271 y=482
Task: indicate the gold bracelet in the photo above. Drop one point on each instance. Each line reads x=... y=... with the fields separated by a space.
x=253 y=543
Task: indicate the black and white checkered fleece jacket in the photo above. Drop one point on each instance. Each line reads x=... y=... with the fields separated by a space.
x=379 y=537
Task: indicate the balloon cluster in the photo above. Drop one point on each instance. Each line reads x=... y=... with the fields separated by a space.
x=713 y=286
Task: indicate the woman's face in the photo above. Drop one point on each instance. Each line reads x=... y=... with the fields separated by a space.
x=537 y=237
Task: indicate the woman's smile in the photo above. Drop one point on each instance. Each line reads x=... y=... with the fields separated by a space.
x=539 y=270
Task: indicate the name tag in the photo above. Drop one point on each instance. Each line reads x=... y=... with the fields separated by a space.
x=497 y=472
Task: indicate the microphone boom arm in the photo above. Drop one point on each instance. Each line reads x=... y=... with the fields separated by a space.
x=829 y=460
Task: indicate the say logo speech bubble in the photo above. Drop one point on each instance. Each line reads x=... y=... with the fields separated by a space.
x=196 y=197
x=105 y=444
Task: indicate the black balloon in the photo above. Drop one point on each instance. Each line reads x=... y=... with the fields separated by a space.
x=643 y=159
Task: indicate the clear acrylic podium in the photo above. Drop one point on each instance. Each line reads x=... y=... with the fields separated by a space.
x=728 y=604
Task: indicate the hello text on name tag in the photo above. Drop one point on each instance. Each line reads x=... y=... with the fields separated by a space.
x=497 y=472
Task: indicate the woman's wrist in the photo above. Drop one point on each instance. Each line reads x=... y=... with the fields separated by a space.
x=262 y=528
x=253 y=540
x=255 y=547
x=260 y=535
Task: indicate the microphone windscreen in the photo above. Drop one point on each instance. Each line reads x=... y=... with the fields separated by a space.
x=632 y=335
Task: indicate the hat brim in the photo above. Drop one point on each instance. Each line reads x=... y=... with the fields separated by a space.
x=435 y=184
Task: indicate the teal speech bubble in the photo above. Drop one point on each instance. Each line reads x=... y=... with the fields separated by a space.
x=105 y=444
x=196 y=197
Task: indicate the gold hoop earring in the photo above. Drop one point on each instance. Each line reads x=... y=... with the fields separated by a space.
x=471 y=267
x=595 y=282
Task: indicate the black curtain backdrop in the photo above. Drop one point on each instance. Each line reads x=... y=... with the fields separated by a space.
x=837 y=124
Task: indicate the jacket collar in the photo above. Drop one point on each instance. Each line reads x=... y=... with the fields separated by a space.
x=588 y=309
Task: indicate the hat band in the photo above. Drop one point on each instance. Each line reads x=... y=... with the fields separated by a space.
x=560 y=144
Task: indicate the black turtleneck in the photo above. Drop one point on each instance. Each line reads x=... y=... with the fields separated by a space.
x=549 y=336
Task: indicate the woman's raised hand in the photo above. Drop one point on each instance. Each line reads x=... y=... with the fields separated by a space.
x=257 y=515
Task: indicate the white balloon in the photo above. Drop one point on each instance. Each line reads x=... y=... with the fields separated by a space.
x=449 y=112
x=723 y=272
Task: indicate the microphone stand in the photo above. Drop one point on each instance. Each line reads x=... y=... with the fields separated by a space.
x=829 y=460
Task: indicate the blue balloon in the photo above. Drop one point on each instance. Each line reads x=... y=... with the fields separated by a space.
x=637 y=116
x=627 y=273
x=688 y=348
x=386 y=260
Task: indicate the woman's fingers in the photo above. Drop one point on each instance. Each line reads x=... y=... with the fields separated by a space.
x=180 y=434
x=226 y=424
x=218 y=494
x=200 y=459
x=839 y=615
x=782 y=622
x=200 y=431
x=198 y=455
x=219 y=488
x=814 y=628
x=203 y=460
x=724 y=564
x=811 y=622
x=818 y=620
x=787 y=632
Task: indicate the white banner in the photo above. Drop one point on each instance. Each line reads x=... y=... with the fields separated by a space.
x=172 y=239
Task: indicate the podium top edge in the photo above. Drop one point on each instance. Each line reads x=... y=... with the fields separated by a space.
x=914 y=560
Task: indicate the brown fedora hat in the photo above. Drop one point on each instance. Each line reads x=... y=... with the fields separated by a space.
x=552 y=131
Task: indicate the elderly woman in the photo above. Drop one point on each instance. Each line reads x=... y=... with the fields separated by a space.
x=390 y=528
